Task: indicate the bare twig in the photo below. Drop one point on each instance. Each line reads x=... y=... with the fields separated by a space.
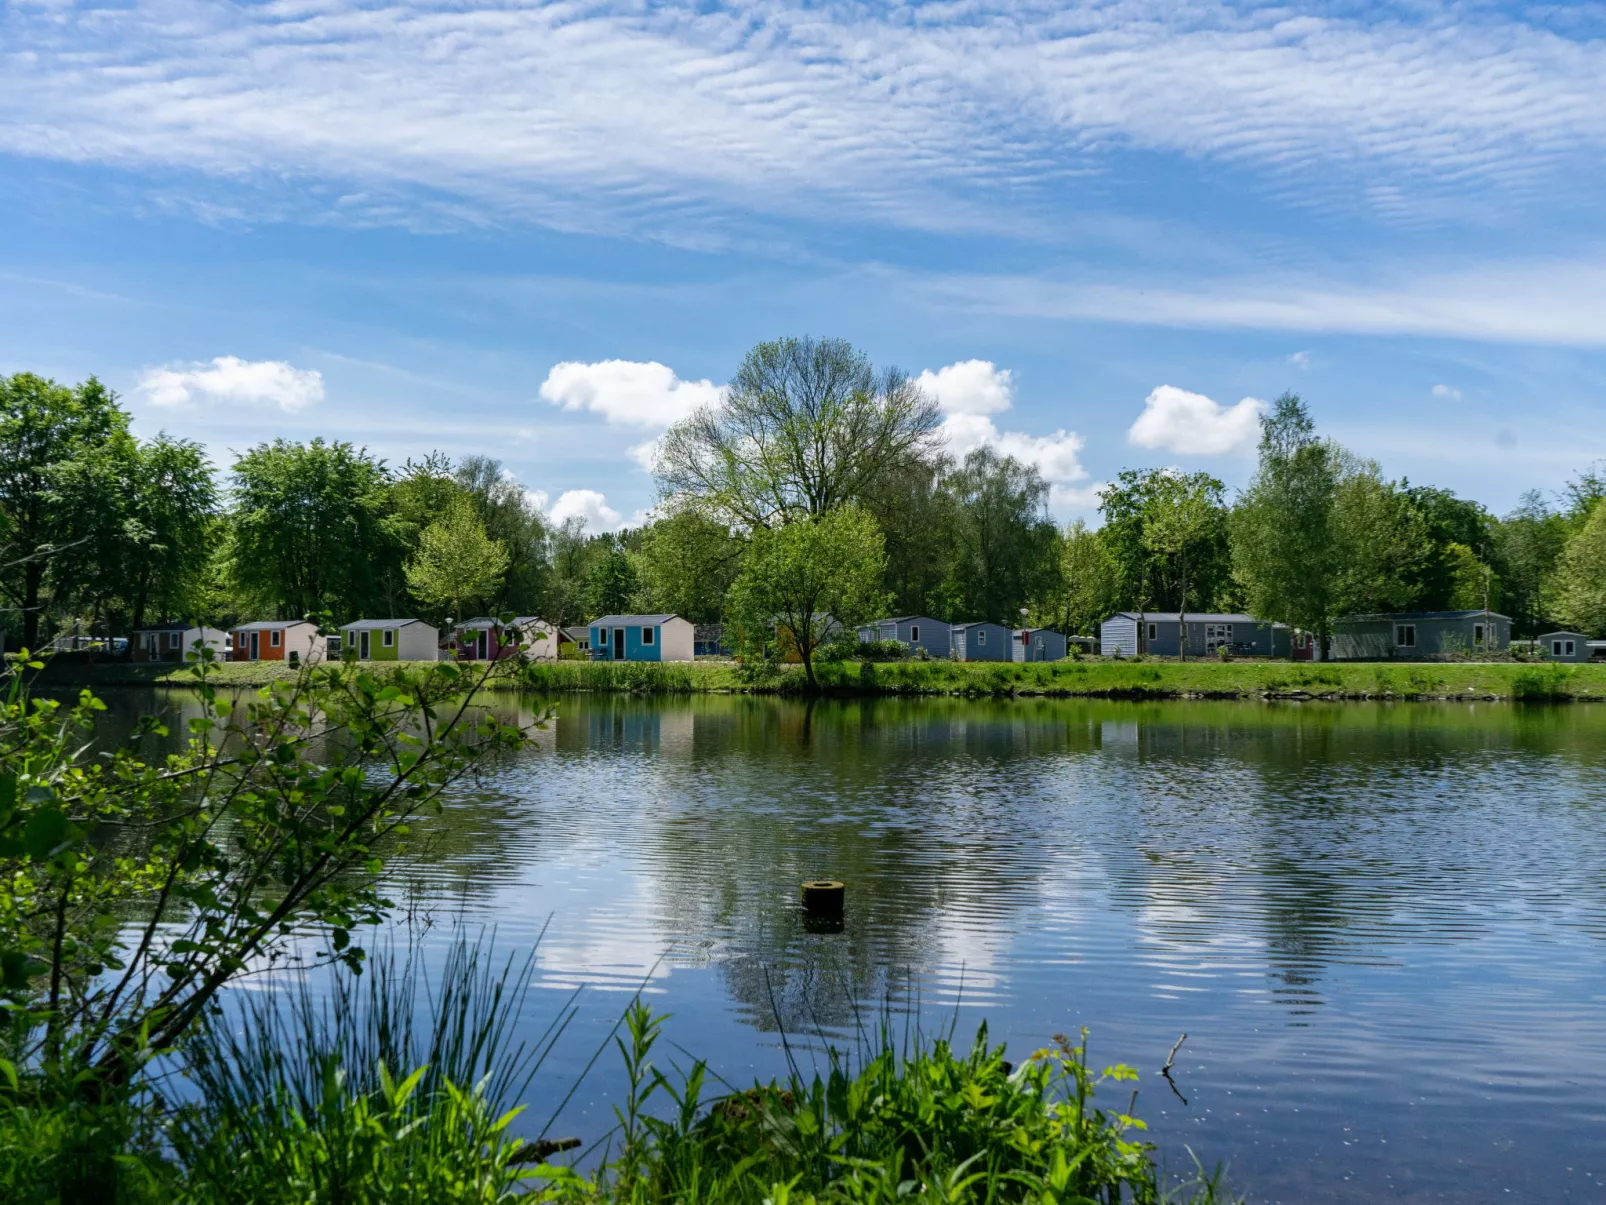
x=1166 y=1070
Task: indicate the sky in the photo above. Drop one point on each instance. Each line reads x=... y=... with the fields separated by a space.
x=1103 y=235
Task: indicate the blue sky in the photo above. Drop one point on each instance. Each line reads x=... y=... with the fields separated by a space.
x=1104 y=233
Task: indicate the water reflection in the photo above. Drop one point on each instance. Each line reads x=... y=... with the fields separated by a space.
x=1388 y=918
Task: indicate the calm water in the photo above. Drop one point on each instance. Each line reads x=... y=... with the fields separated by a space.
x=1383 y=928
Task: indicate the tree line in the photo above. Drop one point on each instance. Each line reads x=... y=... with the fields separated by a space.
x=818 y=484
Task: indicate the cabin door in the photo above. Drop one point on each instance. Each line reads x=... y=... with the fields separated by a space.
x=484 y=644
x=256 y=644
x=618 y=644
x=362 y=646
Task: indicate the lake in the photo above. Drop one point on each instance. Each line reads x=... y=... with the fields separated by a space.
x=1382 y=927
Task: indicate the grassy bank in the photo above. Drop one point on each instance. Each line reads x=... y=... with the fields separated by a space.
x=1089 y=677
x=1098 y=678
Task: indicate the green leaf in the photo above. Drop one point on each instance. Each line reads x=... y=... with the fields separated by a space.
x=47 y=831
x=8 y=796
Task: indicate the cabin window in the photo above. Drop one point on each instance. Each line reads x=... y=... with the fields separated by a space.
x=1477 y=633
x=1405 y=635
x=1555 y=648
x=646 y=635
x=1216 y=635
x=981 y=637
x=174 y=640
x=1570 y=647
x=602 y=635
x=274 y=637
x=389 y=637
x=914 y=631
x=1154 y=631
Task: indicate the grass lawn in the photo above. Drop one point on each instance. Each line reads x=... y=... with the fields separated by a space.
x=1090 y=676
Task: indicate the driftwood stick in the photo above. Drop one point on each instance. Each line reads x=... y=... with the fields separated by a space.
x=1170 y=1058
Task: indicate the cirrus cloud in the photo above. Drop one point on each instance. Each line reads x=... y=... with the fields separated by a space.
x=1192 y=424
x=231 y=379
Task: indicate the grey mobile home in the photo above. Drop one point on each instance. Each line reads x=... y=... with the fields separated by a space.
x=1037 y=644
x=1408 y=634
x=980 y=641
x=916 y=631
x=1159 y=634
x=1564 y=646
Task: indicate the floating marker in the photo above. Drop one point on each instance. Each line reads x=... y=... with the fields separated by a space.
x=824 y=897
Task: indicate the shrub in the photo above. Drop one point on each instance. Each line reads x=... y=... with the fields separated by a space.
x=883 y=650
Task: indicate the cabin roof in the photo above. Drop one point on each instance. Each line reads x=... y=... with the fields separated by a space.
x=263 y=625
x=1396 y=616
x=624 y=621
x=372 y=625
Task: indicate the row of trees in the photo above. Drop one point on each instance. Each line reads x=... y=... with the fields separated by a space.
x=818 y=484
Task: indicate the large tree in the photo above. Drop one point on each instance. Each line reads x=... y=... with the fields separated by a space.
x=806 y=425
x=1282 y=529
x=1085 y=590
x=1577 y=596
x=511 y=518
x=1529 y=541
x=313 y=530
x=1002 y=539
x=44 y=427
x=1148 y=569
x=800 y=577
x=1183 y=521
x=456 y=561
x=1379 y=542
x=686 y=562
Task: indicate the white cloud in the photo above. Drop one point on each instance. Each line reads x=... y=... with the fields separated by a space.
x=1449 y=392
x=590 y=505
x=1300 y=359
x=1194 y=425
x=627 y=393
x=970 y=387
x=969 y=393
x=231 y=379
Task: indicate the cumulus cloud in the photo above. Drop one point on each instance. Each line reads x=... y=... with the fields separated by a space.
x=589 y=505
x=231 y=379
x=1193 y=425
x=970 y=393
x=628 y=393
x=970 y=387
x=1448 y=392
x=1300 y=359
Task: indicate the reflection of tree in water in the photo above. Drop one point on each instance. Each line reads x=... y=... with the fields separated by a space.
x=907 y=803
x=1337 y=828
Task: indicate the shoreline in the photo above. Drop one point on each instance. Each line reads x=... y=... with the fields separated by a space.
x=1089 y=677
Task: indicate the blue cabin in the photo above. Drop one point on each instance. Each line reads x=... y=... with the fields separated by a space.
x=916 y=631
x=642 y=638
x=1037 y=644
x=980 y=641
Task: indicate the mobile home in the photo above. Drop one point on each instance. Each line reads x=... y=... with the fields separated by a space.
x=642 y=638
x=1037 y=644
x=979 y=641
x=177 y=642
x=1409 y=634
x=1159 y=634
x=916 y=631
x=292 y=640
x=487 y=639
x=390 y=640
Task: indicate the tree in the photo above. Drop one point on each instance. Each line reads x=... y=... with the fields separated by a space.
x=1449 y=527
x=686 y=564
x=1282 y=529
x=43 y=427
x=313 y=530
x=611 y=583
x=915 y=509
x=1183 y=516
x=1085 y=590
x=800 y=577
x=806 y=425
x=1529 y=541
x=1002 y=538
x=512 y=519
x=1379 y=543
x=1472 y=583
x=1578 y=594
x=456 y=561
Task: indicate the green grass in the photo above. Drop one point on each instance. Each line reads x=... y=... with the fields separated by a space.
x=1088 y=677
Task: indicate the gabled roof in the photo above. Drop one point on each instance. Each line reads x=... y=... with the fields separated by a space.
x=903 y=619
x=1562 y=632
x=373 y=625
x=631 y=621
x=486 y=621
x=1033 y=631
x=263 y=625
x=976 y=623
